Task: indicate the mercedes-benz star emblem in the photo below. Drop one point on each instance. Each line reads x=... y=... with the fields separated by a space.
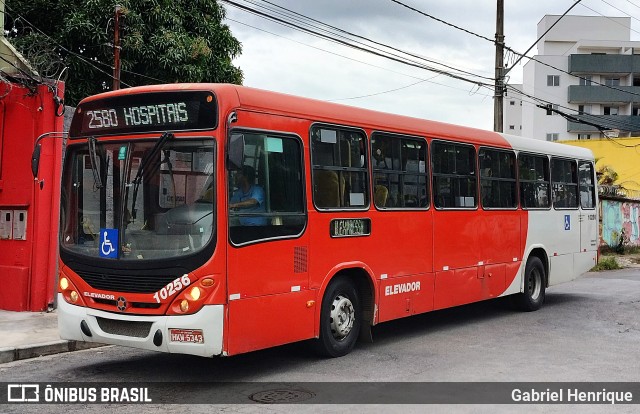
x=121 y=303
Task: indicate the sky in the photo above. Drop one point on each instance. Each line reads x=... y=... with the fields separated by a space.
x=284 y=59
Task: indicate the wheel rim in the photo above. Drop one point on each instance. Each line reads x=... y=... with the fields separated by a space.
x=534 y=284
x=342 y=316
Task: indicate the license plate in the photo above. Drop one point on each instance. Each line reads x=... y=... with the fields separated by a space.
x=186 y=335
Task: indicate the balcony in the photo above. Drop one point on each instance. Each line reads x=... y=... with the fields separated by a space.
x=625 y=123
x=600 y=94
x=583 y=64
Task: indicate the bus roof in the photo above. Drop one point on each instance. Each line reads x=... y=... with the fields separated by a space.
x=329 y=112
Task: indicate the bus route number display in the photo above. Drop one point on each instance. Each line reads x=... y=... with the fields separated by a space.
x=147 y=112
x=161 y=115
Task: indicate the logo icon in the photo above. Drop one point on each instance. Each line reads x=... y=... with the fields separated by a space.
x=109 y=243
x=23 y=393
x=567 y=222
x=121 y=303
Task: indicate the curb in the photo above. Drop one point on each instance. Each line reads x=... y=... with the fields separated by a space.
x=11 y=354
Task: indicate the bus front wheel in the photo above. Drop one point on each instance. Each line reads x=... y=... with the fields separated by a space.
x=340 y=319
x=532 y=296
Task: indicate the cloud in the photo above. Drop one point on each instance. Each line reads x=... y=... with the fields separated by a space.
x=289 y=61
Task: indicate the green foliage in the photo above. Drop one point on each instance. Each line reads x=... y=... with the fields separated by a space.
x=606 y=263
x=169 y=41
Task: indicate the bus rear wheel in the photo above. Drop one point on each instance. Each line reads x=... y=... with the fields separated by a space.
x=340 y=319
x=532 y=296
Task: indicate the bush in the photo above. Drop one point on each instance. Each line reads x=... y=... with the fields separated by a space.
x=606 y=263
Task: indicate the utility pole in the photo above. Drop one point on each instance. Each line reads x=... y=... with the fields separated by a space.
x=116 y=49
x=498 y=108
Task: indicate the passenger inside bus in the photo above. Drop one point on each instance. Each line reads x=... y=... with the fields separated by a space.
x=248 y=197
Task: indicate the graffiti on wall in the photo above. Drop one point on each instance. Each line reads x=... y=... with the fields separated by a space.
x=619 y=215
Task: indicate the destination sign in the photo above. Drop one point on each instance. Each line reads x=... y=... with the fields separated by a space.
x=350 y=227
x=149 y=112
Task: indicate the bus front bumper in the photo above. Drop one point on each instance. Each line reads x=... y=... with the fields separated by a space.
x=145 y=332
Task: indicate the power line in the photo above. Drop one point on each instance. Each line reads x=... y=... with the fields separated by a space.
x=420 y=80
x=357 y=45
x=443 y=21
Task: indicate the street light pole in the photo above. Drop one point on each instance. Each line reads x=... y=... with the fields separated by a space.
x=116 y=49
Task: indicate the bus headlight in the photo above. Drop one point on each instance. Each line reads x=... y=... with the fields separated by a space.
x=195 y=293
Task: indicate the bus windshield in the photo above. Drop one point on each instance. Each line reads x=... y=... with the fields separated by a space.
x=138 y=200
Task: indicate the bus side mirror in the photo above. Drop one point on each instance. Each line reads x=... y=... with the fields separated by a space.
x=236 y=151
x=35 y=160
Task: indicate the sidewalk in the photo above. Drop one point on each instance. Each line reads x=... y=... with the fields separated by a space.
x=32 y=334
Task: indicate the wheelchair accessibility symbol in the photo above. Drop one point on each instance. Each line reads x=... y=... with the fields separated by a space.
x=109 y=243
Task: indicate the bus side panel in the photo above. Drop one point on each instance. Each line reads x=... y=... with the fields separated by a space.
x=455 y=239
x=266 y=321
x=499 y=236
x=405 y=296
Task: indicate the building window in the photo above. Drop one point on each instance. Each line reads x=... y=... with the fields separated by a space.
x=611 y=110
x=552 y=136
x=553 y=80
x=512 y=127
x=584 y=109
x=636 y=81
x=635 y=111
x=512 y=103
x=612 y=81
x=554 y=112
x=584 y=136
x=585 y=80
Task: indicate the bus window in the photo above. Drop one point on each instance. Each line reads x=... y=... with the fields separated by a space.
x=587 y=186
x=497 y=178
x=564 y=183
x=399 y=171
x=339 y=168
x=534 y=181
x=266 y=194
x=454 y=175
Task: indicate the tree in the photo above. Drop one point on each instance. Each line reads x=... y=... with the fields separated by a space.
x=162 y=41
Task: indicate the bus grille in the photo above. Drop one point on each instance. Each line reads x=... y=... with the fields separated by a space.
x=132 y=283
x=125 y=328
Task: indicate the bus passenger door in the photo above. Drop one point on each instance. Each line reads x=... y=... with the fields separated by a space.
x=586 y=259
x=268 y=284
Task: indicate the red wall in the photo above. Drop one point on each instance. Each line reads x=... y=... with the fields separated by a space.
x=28 y=267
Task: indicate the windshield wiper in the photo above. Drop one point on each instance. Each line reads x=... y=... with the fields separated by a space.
x=143 y=165
x=93 y=157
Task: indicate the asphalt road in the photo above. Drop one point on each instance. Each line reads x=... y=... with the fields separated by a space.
x=588 y=330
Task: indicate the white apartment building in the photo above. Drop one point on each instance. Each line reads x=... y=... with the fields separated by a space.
x=587 y=67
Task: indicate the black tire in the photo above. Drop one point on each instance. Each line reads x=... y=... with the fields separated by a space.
x=340 y=319
x=532 y=298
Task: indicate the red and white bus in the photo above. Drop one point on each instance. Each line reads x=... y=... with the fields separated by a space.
x=215 y=219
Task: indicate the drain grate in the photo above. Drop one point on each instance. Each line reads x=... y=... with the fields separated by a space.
x=281 y=396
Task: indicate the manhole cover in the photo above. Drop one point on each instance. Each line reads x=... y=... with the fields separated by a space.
x=281 y=396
